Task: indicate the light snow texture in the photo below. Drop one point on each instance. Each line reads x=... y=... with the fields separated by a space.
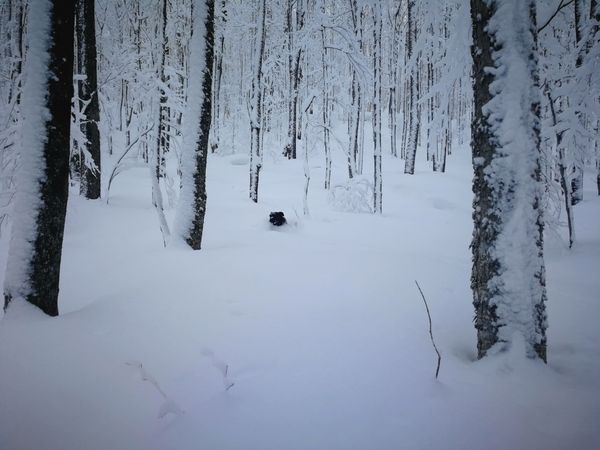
x=321 y=327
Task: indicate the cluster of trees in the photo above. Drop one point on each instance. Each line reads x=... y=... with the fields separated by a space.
x=163 y=83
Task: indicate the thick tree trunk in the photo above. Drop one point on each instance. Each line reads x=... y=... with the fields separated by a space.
x=508 y=277
x=33 y=269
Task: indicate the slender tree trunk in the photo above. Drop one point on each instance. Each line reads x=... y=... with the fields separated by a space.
x=377 y=109
x=562 y=170
x=294 y=62
x=412 y=122
x=33 y=268
x=90 y=186
x=577 y=169
x=256 y=119
x=158 y=164
x=217 y=77
x=325 y=109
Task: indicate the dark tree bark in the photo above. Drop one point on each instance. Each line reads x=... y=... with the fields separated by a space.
x=377 y=107
x=294 y=63
x=40 y=277
x=256 y=119
x=412 y=117
x=508 y=276
x=90 y=186
x=217 y=77
x=194 y=235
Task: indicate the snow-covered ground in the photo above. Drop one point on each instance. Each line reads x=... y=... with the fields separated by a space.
x=318 y=325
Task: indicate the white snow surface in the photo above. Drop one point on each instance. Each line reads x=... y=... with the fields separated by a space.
x=309 y=336
x=31 y=145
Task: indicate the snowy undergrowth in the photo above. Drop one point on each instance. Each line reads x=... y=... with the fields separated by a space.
x=318 y=326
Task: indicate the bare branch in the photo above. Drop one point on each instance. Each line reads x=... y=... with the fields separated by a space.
x=561 y=5
x=439 y=357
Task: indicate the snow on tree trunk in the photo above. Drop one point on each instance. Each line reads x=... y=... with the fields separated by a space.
x=562 y=171
x=508 y=277
x=157 y=164
x=197 y=120
x=33 y=266
x=256 y=108
x=377 y=109
x=215 y=129
x=412 y=128
x=325 y=107
x=88 y=97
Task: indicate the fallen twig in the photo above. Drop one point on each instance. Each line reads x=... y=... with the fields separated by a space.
x=439 y=360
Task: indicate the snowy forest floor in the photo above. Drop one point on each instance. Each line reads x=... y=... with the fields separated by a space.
x=319 y=323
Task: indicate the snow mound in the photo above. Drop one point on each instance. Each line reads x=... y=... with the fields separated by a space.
x=354 y=196
x=239 y=159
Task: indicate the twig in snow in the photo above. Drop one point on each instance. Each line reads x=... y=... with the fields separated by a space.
x=439 y=360
x=168 y=405
x=221 y=366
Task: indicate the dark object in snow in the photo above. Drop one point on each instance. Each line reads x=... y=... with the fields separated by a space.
x=277 y=218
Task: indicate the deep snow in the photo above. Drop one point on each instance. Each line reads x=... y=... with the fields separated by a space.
x=318 y=325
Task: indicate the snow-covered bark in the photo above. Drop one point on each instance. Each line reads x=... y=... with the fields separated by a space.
x=411 y=117
x=33 y=267
x=377 y=108
x=192 y=200
x=90 y=186
x=256 y=107
x=508 y=278
x=12 y=50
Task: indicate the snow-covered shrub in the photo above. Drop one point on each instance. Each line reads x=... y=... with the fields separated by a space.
x=356 y=195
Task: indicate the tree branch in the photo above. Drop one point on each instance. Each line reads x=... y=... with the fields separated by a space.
x=560 y=6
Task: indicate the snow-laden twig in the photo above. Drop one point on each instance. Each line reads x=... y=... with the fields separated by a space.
x=115 y=170
x=439 y=357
